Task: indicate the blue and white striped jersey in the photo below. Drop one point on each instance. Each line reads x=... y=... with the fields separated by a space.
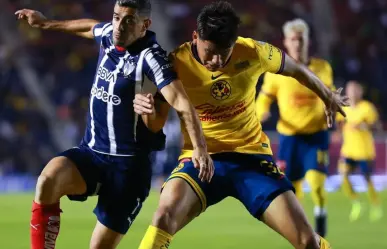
x=111 y=123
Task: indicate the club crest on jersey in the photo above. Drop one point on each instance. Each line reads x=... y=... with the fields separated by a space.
x=129 y=68
x=221 y=90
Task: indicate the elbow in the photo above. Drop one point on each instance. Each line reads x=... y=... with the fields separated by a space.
x=156 y=127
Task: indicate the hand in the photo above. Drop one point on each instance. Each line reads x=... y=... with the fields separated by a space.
x=203 y=162
x=143 y=104
x=334 y=105
x=34 y=18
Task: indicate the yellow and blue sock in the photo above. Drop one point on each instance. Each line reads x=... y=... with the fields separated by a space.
x=155 y=238
x=316 y=181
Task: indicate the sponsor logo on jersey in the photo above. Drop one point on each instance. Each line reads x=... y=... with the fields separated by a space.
x=209 y=112
x=101 y=94
x=106 y=75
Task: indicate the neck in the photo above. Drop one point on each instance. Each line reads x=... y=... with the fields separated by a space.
x=133 y=42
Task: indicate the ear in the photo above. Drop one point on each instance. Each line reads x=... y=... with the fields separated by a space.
x=195 y=37
x=147 y=24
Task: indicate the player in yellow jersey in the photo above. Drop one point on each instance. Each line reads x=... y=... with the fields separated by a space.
x=219 y=71
x=303 y=143
x=358 y=147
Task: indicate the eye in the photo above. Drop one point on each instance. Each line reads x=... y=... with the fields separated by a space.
x=130 y=21
x=116 y=18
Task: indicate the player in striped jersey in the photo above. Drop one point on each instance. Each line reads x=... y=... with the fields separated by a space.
x=112 y=160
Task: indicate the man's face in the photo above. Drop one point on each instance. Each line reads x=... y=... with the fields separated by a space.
x=212 y=57
x=354 y=91
x=295 y=44
x=128 y=26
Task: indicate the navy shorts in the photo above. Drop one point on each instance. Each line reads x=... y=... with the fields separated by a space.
x=122 y=183
x=254 y=180
x=299 y=153
x=365 y=166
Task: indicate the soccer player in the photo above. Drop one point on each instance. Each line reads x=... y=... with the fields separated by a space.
x=303 y=142
x=112 y=159
x=358 y=148
x=219 y=71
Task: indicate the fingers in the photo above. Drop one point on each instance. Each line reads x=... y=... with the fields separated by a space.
x=330 y=120
x=207 y=169
x=141 y=110
x=21 y=14
x=341 y=111
x=345 y=101
x=144 y=101
x=195 y=163
x=338 y=91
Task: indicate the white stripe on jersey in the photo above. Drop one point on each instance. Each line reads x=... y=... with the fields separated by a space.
x=92 y=141
x=110 y=108
x=98 y=31
x=139 y=81
x=106 y=29
x=155 y=67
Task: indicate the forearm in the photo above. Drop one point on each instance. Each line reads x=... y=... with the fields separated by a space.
x=176 y=96
x=188 y=115
x=82 y=27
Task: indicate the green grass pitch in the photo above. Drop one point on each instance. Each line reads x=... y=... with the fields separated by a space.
x=227 y=225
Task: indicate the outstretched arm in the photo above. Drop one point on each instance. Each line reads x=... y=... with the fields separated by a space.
x=81 y=27
x=333 y=100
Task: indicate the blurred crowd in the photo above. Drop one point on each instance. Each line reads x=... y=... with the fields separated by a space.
x=65 y=65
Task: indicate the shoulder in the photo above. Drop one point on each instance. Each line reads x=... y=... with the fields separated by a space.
x=367 y=105
x=318 y=62
x=182 y=51
x=102 y=29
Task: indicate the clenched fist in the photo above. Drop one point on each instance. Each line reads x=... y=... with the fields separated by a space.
x=34 y=18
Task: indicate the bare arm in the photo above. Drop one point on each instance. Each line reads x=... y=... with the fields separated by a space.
x=333 y=100
x=176 y=96
x=81 y=27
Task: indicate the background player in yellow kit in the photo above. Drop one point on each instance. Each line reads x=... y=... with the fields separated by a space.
x=303 y=148
x=358 y=148
x=219 y=71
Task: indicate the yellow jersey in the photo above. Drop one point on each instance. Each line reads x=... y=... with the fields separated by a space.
x=358 y=143
x=225 y=100
x=301 y=110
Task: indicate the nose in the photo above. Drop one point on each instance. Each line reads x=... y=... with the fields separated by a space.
x=217 y=60
x=120 y=26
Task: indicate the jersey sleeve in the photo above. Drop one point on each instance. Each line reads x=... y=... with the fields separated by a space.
x=101 y=29
x=159 y=68
x=272 y=58
x=371 y=114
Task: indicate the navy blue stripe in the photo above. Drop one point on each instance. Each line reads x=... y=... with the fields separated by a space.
x=281 y=69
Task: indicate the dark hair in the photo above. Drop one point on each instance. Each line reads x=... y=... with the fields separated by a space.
x=218 y=23
x=143 y=7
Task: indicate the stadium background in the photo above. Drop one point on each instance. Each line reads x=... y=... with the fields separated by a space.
x=45 y=79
